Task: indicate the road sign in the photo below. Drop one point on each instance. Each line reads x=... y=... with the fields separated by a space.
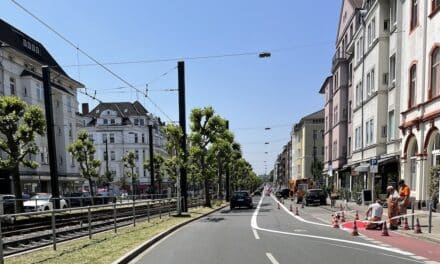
x=373 y=166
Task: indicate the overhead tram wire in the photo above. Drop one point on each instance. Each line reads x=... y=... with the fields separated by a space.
x=89 y=56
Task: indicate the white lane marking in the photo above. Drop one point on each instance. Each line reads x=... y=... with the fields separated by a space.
x=296 y=216
x=272 y=258
x=432 y=262
x=255 y=226
x=419 y=257
x=320 y=219
x=255 y=234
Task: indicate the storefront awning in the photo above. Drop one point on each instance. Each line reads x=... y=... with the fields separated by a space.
x=387 y=160
x=362 y=168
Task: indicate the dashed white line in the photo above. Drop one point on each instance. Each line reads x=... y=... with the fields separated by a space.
x=255 y=234
x=272 y=258
x=419 y=257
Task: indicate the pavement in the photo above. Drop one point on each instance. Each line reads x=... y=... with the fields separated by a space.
x=272 y=234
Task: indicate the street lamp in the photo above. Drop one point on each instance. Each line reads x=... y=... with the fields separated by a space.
x=264 y=55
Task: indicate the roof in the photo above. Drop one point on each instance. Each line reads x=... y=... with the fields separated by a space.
x=25 y=44
x=123 y=109
x=321 y=91
x=316 y=115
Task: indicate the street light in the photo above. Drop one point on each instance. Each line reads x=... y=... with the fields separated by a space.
x=264 y=55
x=266 y=143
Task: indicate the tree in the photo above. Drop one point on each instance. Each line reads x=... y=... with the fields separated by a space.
x=220 y=152
x=433 y=187
x=316 y=170
x=206 y=128
x=159 y=164
x=19 y=125
x=130 y=163
x=83 y=151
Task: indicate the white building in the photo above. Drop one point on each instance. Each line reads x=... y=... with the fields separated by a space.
x=21 y=61
x=123 y=127
x=420 y=93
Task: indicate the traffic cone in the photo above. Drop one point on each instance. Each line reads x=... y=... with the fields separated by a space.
x=356 y=217
x=296 y=211
x=335 y=224
x=405 y=224
x=355 y=229
x=291 y=208
x=385 y=229
x=418 y=229
x=342 y=217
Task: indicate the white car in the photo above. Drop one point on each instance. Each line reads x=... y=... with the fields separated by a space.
x=42 y=202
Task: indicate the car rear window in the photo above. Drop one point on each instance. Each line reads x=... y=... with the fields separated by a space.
x=241 y=194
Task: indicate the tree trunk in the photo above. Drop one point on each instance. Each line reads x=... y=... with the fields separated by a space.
x=92 y=193
x=220 y=187
x=17 y=190
x=206 y=184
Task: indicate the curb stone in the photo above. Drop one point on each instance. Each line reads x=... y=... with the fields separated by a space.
x=144 y=246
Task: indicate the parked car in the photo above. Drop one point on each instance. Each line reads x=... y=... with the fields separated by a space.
x=257 y=193
x=241 y=198
x=285 y=193
x=42 y=202
x=315 y=196
x=102 y=198
x=79 y=199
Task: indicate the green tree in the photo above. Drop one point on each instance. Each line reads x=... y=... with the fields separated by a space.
x=433 y=188
x=19 y=125
x=159 y=169
x=316 y=170
x=130 y=163
x=220 y=153
x=83 y=151
x=206 y=128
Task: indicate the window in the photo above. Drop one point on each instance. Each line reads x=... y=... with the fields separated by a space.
x=435 y=5
x=393 y=12
x=358 y=51
x=322 y=151
x=350 y=73
x=373 y=87
x=336 y=80
x=39 y=94
x=359 y=94
x=393 y=68
x=12 y=86
x=369 y=127
x=69 y=104
x=414 y=14
x=60 y=133
x=335 y=150
x=112 y=121
x=141 y=121
x=326 y=153
x=368 y=84
x=435 y=72
x=326 y=123
x=70 y=130
x=135 y=138
x=143 y=137
x=369 y=34
x=105 y=121
x=357 y=139
x=104 y=155
x=349 y=111
x=349 y=146
x=412 y=86
x=335 y=115
x=136 y=155
x=136 y=121
x=373 y=29
x=72 y=161
x=112 y=138
x=112 y=155
x=391 y=125
x=104 y=137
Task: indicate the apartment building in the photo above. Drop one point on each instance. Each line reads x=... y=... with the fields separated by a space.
x=21 y=61
x=420 y=93
x=119 y=127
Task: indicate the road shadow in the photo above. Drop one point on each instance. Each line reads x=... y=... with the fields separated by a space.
x=213 y=219
x=236 y=211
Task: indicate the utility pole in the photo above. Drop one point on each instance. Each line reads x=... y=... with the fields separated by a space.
x=106 y=163
x=182 y=122
x=227 y=173
x=51 y=136
x=151 y=147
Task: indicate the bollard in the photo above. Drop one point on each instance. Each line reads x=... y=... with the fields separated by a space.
x=134 y=212
x=54 y=231
x=430 y=218
x=1 y=242
x=412 y=217
x=114 y=217
x=89 y=220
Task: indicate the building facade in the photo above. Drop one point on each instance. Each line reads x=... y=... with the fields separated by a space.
x=117 y=128
x=21 y=61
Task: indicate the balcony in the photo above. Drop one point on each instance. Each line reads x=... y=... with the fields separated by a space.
x=338 y=58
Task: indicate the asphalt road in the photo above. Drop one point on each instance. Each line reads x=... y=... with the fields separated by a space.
x=267 y=235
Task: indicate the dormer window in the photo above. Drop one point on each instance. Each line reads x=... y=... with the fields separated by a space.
x=108 y=112
x=136 y=121
x=105 y=121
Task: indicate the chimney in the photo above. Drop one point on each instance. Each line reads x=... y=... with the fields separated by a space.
x=85 y=108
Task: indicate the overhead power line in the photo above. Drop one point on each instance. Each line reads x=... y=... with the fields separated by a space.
x=88 y=56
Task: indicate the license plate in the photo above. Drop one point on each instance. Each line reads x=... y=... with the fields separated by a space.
x=240 y=200
x=316 y=201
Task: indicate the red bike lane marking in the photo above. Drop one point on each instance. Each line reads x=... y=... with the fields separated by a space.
x=419 y=247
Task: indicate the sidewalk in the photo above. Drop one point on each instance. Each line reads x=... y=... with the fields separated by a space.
x=434 y=236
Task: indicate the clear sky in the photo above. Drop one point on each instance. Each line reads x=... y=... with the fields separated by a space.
x=252 y=93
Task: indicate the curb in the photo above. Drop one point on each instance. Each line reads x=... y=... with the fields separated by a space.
x=140 y=249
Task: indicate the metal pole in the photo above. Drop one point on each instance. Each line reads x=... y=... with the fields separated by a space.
x=54 y=231
x=89 y=219
x=148 y=211
x=430 y=218
x=412 y=217
x=1 y=242
x=151 y=149
x=114 y=217
x=51 y=136
x=160 y=210
x=182 y=122
x=227 y=173
x=134 y=212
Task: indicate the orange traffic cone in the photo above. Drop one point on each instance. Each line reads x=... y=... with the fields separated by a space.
x=342 y=217
x=418 y=229
x=356 y=217
x=385 y=229
x=405 y=224
x=291 y=208
x=355 y=229
x=296 y=211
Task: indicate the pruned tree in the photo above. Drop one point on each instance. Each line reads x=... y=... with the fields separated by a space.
x=19 y=125
x=159 y=169
x=83 y=151
x=130 y=164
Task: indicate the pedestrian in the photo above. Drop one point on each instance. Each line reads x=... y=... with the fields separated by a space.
x=404 y=200
x=374 y=215
x=393 y=207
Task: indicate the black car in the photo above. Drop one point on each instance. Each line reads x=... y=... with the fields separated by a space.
x=241 y=198
x=78 y=199
x=285 y=193
x=315 y=196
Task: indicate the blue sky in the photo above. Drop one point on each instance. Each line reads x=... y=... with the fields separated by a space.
x=252 y=93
